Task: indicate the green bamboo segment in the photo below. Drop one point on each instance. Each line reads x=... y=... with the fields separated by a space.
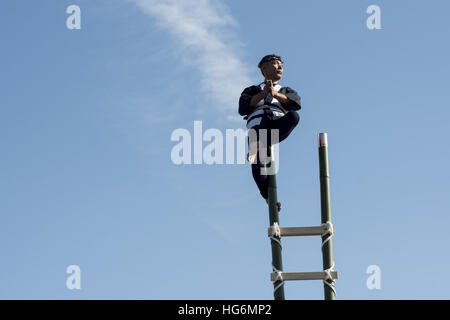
x=274 y=217
x=327 y=248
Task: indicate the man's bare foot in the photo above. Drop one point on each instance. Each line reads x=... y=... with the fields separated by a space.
x=278 y=204
x=251 y=158
x=252 y=152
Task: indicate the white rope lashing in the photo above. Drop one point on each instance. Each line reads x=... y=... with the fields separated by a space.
x=329 y=230
x=328 y=276
x=279 y=277
x=275 y=231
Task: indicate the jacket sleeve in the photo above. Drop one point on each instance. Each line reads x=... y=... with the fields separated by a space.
x=246 y=97
x=292 y=95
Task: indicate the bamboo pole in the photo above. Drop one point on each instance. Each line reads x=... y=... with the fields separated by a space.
x=274 y=217
x=327 y=248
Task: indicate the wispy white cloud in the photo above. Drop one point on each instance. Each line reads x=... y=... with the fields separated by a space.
x=207 y=35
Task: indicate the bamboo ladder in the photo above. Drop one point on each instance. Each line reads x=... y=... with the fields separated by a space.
x=326 y=231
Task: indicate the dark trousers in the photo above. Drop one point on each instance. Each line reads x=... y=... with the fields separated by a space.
x=285 y=125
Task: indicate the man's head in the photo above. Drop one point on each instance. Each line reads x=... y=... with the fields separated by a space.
x=271 y=67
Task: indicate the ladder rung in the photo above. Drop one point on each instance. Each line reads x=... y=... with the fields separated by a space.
x=300 y=231
x=303 y=275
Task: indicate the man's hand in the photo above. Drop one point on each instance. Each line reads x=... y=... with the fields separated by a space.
x=269 y=89
x=259 y=96
x=282 y=98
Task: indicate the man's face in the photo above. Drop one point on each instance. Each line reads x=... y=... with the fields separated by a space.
x=273 y=70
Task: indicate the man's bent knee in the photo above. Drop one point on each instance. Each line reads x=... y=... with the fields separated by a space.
x=296 y=117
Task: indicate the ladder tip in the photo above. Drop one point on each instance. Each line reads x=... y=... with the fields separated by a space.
x=323 y=140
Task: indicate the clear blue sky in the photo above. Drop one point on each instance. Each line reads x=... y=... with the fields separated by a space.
x=86 y=177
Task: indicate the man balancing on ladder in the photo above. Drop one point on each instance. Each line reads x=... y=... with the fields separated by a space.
x=268 y=106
